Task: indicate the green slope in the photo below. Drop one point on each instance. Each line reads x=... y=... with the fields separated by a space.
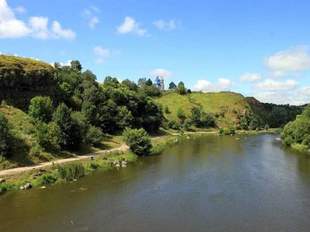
x=226 y=106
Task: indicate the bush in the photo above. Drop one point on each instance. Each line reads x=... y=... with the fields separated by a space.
x=93 y=136
x=47 y=179
x=181 y=115
x=227 y=131
x=4 y=135
x=174 y=125
x=138 y=141
x=71 y=172
x=48 y=136
x=41 y=109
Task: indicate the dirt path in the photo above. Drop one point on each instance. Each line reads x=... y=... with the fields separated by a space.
x=16 y=171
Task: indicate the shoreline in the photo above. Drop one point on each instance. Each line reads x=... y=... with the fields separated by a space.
x=47 y=174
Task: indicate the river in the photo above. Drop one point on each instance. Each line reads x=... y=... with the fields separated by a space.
x=216 y=184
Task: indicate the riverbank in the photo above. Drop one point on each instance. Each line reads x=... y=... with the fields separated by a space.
x=72 y=169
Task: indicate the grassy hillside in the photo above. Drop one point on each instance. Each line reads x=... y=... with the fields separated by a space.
x=226 y=106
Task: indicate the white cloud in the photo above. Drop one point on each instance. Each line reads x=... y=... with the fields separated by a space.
x=165 y=25
x=90 y=14
x=10 y=27
x=37 y=27
x=59 y=32
x=161 y=73
x=270 y=84
x=93 y=21
x=292 y=60
x=207 y=86
x=102 y=54
x=131 y=26
x=250 y=77
x=297 y=96
x=20 y=10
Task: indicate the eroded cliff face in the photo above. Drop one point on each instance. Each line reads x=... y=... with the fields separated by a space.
x=21 y=79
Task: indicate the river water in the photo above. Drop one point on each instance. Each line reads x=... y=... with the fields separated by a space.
x=209 y=184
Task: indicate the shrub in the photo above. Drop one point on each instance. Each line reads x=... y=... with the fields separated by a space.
x=174 y=125
x=48 y=135
x=47 y=179
x=71 y=172
x=41 y=109
x=93 y=136
x=181 y=115
x=138 y=141
x=4 y=135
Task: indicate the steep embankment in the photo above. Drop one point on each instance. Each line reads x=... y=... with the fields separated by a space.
x=227 y=107
x=22 y=78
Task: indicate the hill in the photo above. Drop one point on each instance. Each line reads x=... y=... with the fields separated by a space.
x=229 y=108
x=23 y=78
x=225 y=106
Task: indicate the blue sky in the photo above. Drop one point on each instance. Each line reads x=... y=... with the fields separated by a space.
x=258 y=48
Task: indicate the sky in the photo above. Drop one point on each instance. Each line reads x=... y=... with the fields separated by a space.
x=258 y=48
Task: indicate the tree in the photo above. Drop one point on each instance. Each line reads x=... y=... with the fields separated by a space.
x=130 y=85
x=62 y=117
x=181 y=88
x=4 y=135
x=41 y=109
x=76 y=65
x=138 y=141
x=48 y=135
x=181 y=115
x=172 y=86
x=93 y=136
x=297 y=133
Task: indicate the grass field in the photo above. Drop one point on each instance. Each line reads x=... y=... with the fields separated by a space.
x=224 y=105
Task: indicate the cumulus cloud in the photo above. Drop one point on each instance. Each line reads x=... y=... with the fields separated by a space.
x=20 y=10
x=222 y=84
x=298 y=96
x=37 y=27
x=91 y=16
x=161 y=73
x=292 y=60
x=102 y=54
x=270 y=84
x=165 y=25
x=59 y=32
x=250 y=77
x=130 y=25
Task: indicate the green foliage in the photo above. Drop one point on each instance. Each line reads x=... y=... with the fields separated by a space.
x=181 y=88
x=46 y=179
x=181 y=115
x=94 y=136
x=167 y=111
x=202 y=119
x=174 y=125
x=62 y=117
x=41 y=109
x=227 y=131
x=297 y=133
x=4 y=135
x=71 y=172
x=172 y=86
x=48 y=135
x=138 y=141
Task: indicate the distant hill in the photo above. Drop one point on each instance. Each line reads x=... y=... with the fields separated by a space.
x=228 y=108
x=23 y=78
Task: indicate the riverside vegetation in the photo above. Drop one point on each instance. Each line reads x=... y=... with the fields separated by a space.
x=51 y=112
